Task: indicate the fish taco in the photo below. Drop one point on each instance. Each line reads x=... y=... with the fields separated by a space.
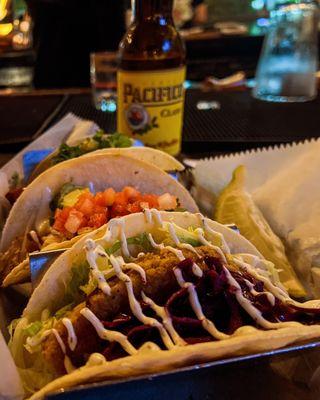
x=80 y=195
x=150 y=292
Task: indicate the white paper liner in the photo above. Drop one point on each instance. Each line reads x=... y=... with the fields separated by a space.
x=52 y=138
x=215 y=173
x=285 y=184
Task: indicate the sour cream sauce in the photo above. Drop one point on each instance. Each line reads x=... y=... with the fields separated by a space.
x=168 y=334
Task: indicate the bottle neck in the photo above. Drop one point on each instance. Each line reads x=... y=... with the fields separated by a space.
x=145 y=9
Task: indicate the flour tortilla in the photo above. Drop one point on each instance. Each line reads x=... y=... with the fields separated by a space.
x=161 y=361
x=59 y=274
x=153 y=156
x=248 y=341
x=98 y=170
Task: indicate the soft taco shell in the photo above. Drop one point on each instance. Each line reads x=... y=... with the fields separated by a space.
x=100 y=171
x=250 y=340
x=52 y=287
x=153 y=156
x=160 y=361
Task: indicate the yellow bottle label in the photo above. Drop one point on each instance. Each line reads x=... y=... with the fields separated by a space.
x=150 y=107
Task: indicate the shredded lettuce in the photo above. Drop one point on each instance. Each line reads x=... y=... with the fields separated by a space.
x=82 y=283
x=115 y=140
x=90 y=286
x=62 y=312
x=184 y=235
x=32 y=368
x=12 y=327
x=100 y=140
x=141 y=241
x=114 y=248
x=33 y=328
x=79 y=277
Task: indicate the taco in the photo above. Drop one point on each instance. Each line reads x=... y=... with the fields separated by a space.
x=151 y=292
x=74 y=148
x=77 y=196
x=154 y=156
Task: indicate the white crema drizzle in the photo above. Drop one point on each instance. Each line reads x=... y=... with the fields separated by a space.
x=207 y=229
x=255 y=314
x=117 y=263
x=38 y=339
x=278 y=292
x=168 y=334
x=167 y=322
x=110 y=336
x=72 y=337
x=254 y=292
x=196 y=307
x=92 y=253
x=193 y=296
x=204 y=241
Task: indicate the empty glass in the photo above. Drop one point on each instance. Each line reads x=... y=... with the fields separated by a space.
x=103 y=74
x=289 y=59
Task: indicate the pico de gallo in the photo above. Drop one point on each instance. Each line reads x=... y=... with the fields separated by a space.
x=79 y=210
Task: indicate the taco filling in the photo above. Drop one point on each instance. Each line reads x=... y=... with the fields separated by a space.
x=75 y=211
x=100 y=140
x=169 y=287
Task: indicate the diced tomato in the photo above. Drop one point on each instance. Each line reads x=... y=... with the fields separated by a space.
x=100 y=199
x=167 y=202
x=97 y=220
x=84 y=222
x=57 y=213
x=144 y=204
x=99 y=210
x=134 y=207
x=74 y=221
x=86 y=206
x=131 y=193
x=118 y=210
x=87 y=195
x=82 y=199
x=93 y=211
x=64 y=214
x=120 y=198
x=59 y=225
x=109 y=196
x=151 y=199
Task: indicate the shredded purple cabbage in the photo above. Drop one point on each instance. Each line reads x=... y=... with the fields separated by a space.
x=219 y=304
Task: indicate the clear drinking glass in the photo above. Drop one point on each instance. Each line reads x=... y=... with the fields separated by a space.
x=289 y=59
x=103 y=75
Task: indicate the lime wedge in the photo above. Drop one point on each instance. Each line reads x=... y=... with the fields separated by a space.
x=236 y=206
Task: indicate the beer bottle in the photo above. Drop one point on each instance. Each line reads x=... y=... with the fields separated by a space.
x=151 y=76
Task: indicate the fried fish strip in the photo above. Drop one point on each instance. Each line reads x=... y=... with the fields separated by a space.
x=161 y=284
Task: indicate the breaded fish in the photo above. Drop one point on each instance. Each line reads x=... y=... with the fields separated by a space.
x=161 y=284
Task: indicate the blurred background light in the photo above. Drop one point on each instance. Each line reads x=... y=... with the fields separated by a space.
x=258 y=4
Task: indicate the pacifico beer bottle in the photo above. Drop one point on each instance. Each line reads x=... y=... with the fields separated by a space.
x=151 y=76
